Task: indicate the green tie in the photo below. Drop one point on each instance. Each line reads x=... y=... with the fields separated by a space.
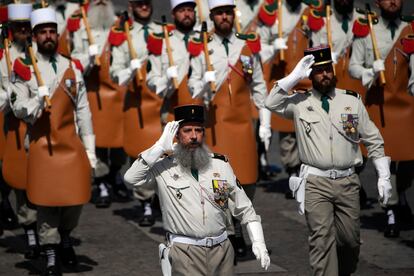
x=146 y=32
x=325 y=103
x=393 y=26
x=185 y=38
x=226 y=44
x=194 y=172
x=345 y=21
x=53 y=60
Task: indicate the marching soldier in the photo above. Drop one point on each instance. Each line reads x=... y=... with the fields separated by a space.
x=53 y=101
x=14 y=165
x=93 y=49
x=227 y=90
x=383 y=68
x=142 y=107
x=330 y=123
x=197 y=238
x=248 y=11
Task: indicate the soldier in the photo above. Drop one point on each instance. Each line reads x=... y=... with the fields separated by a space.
x=248 y=11
x=330 y=123
x=59 y=172
x=14 y=165
x=142 y=107
x=105 y=98
x=237 y=76
x=389 y=104
x=196 y=226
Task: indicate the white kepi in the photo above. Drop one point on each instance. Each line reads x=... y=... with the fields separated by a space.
x=19 y=12
x=43 y=16
x=175 y=3
x=212 y=4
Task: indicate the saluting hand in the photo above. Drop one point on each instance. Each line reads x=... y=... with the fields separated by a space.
x=167 y=138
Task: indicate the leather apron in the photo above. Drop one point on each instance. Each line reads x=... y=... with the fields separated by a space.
x=106 y=101
x=2 y=136
x=59 y=173
x=345 y=81
x=230 y=129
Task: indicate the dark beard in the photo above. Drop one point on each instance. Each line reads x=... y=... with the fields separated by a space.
x=294 y=4
x=48 y=51
x=344 y=8
x=322 y=88
x=183 y=27
x=391 y=16
x=196 y=159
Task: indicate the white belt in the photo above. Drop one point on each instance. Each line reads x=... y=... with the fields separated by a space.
x=332 y=174
x=206 y=242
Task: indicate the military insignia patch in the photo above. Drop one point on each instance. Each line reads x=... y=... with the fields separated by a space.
x=349 y=123
x=247 y=64
x=175 y=177
x=221 y=193
x=348 y=108
x=309 y=108
x=216 y=175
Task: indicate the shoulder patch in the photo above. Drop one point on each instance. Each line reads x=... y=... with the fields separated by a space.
x=352 y=93
x=221 y=157
x=360 y=27
x=268 y=12
x=252 y=41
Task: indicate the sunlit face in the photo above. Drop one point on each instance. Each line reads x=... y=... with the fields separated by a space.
x=323 y=78
x=191 y=135
x=223 y=19
x=46 y=38
x=142 y=10
x=184 y=16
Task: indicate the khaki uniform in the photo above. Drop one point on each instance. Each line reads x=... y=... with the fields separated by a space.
x=63 y=13
x=50 y=183
x=229 y=109
x=324 y=142
x=196 y=209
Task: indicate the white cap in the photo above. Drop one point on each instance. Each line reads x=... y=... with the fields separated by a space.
x=175 y=3
x=43 y=16
x=212 y=4
x=19 y=12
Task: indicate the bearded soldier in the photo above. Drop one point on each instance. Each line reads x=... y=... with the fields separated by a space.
x=237 y=76
x=105 y=98
x=142 y=108
x=389 y=104
x=14 y=165
x=53 y=101
x=197 y=242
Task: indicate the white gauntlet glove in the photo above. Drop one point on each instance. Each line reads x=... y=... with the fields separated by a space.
x=378 y=66
x=209 y=76
x=172 y=72
x=89 y=144
x=163 y=145
x=135 y=64
x=43 y=91
x=280 y=44
x=335 y=57
x=301 y=71
x=265 y=132
x=255 y=231
x=382 y=165
x=93 y=50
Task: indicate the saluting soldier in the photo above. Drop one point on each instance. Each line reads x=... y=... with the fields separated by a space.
x=197 y=242
x=237 y=77
x=330 y=123
x=390 y=105
x=106 y=98
x=61 y=141
x=14 y=165
x=142 y=109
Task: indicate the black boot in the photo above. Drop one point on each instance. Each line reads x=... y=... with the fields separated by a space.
x=67 y=253
x=120 y=191
x=391 y=229
x=103 y=195
x=239 y=244
x=32 y=242
x=8 y=217
x=233 y=243
x=52 y=267
x=147 y=219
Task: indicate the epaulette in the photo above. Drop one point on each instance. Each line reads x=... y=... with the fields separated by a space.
x=353 y=93
x=116 y=36
x=268 y=12
x=252 y=41
x=360 y=27
x=78 y=64
x=409 y=19
x=314 y=4
x=155 y=40
x=74 y=21
x=408 y=44
x=4 y=17
x=315 y=20
x=220 y=156
x=195 y=46
x=21 y=67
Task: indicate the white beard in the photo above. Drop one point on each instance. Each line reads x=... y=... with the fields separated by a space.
x=198 y=159
x=100 y=16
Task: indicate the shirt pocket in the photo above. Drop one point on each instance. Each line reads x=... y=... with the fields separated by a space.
x=309 y=121
x=179 y=189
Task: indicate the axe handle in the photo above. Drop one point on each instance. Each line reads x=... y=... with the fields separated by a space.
x=280 y=27
x=132 y=53
x=39 y=79
x=7 y=54
x=377 y=54
x=89 y=33
x=237 y=20
x=208 y=61
x=199 y=11
x=329 y=31
x=169 y=53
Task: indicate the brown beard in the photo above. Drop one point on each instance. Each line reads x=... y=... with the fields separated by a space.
x=324 y=88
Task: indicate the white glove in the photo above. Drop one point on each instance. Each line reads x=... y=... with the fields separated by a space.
x=382 y=165
x=135 y=64
x=255 y=231
x=209 y=76
x=280 y=44
x=265 y=132
x=378 y=66
x=89 y=144
x=93 y=50
x=172 y=72
x=368 y=76
x=43 y=91
x=335 y=57
x=301 y=71
x=163 y=145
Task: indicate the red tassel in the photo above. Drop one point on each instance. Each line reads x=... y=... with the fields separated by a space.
x=408 y=44
x=116 y=37
x=170 y=27
x=253 y=42
x=3 y=14
x=78 y=64
x=195 y=48
x=360 y=29
x=154 y=44
x=73 y=24
x=315 y=22
x=21 y=69
x=1 y=53
x=268 y=14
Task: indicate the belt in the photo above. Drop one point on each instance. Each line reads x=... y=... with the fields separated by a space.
x=206 y=242
x=332 y=174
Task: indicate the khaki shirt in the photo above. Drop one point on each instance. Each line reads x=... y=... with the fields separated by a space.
x=269 y=34
x=322 y=140
x=157 y=79
x=182 y=196
x=220 y=61
x=120 y=55
x=62 y=18
x=28 y=106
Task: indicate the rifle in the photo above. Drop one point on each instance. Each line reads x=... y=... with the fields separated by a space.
x=168 y=47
